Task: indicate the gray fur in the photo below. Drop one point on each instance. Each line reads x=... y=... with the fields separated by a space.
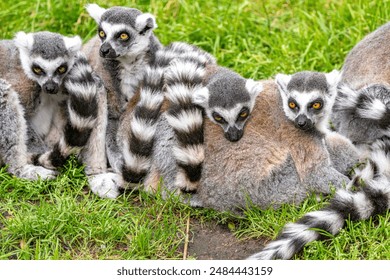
x=13 y=134
x=48 y=45
x=121 y=15
x=228 y=89
x=307 y=81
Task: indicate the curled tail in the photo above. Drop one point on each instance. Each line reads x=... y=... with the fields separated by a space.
x=371 y=198
x=184 y=77
x=83 y=87
x=368 y=103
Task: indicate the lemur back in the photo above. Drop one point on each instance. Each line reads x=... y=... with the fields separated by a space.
x=52 y=91
x=121 y=52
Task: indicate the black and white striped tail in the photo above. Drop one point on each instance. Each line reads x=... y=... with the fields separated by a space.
x=371 y=198
x=183 y=78
x=83 y=87
x=367 y=103
x=138 y=147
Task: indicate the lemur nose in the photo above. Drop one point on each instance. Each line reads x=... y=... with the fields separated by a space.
x=105 y=50
x=50 y=88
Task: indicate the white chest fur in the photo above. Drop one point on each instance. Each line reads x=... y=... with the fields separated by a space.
x=131 y=74
x=49 y=106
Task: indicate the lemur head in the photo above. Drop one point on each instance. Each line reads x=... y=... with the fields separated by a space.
x=47 y=57
x=124 y=32
x=228 y=100
x=308 y=97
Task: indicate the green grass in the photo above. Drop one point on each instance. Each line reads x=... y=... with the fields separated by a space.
x=61 y=219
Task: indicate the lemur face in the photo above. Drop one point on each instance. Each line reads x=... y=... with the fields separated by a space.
x=47 y=57
x=124 y=32
x=228 y=102
x=308 y=97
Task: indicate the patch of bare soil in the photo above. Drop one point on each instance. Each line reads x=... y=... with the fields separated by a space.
x=209 y=241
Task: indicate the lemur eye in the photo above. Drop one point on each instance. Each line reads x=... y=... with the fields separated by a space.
x=37 y=70
x=218 y=117
x=316 y=105
x=61 y=69
x=102 y=34
x=243 y=114
x=292 y=105
x=124 y=36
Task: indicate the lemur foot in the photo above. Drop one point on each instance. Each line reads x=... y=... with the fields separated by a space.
x=32 y=172
x=106 y=185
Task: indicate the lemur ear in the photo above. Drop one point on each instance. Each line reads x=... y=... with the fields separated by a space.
x=201 y=97
x=282 y=81
x=254 y=88
x=24 y=41
x=95 y=11
x=145 y=23
x=73 y=44
x=333 y=78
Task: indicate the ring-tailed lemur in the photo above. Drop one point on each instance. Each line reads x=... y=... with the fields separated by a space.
x=310 y=93
x=361 y=114
x=308 y=98
x=49 y=102
x=121 y=52
x=194 y=86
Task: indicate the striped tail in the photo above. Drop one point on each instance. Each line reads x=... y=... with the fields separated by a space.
x=372 y=198
x=183 y=78
x=83 y=87
x=138 y=145
x=368 y=103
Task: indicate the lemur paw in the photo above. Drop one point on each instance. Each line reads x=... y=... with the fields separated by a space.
x=106 y=185
x=32 y=172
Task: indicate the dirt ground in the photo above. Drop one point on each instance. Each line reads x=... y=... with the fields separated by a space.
x=209 y=241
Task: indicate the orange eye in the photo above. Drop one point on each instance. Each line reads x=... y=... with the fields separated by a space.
x=102 y=34
x=124 y=36
x=317 y=105
x=292 y=105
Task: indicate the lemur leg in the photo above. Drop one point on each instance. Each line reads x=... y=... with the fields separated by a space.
x=137 y=128
x=13 y=135
x=114 y=154
x=183 y=78
x=102 y=183
x=81 y=110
